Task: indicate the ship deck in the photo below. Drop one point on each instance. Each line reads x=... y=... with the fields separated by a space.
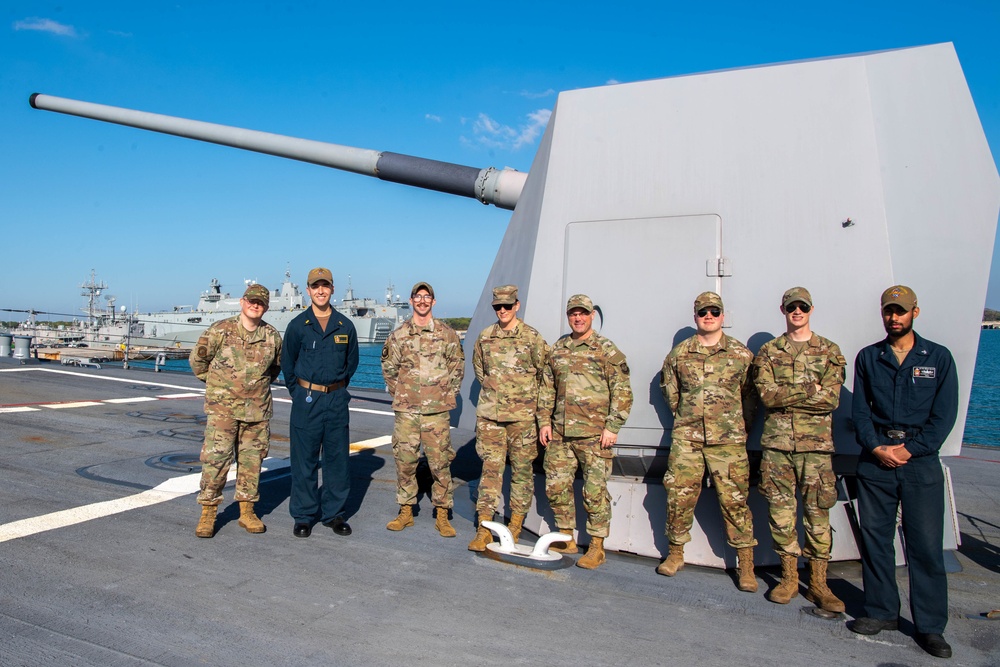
x=101 y=565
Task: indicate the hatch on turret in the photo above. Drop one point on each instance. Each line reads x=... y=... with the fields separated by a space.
x=640 y=296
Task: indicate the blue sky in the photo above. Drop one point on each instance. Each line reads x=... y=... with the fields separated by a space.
x=158 y=216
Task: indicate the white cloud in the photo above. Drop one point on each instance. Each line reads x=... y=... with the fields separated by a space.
x=45 y=25
x=612 y=82
x=432 y=117
x=534 y=96
x=493 y=134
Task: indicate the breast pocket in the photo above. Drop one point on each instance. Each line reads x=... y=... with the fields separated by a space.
x=261 y=354
x=815 y=367
x=783 y=369
x=689 y=373
x=519 y=358
x=732 y=371
x=922 y=392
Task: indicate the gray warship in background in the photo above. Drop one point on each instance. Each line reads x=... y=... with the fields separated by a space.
x=373 y=319
x=175 y=331
x=843 y=174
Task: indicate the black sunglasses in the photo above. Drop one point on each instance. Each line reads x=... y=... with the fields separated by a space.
x=716 y=311
x=503 y=306
x=797 y=305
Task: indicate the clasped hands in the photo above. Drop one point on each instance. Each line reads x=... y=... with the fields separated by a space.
x=892 y=456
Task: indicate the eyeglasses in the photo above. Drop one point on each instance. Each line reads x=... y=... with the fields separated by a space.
x=797 y=305
x=503 y=306
x=422 y=297
x=256 y=303
x=716 y=311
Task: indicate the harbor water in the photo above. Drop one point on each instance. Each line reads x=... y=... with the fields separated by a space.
x=982 y=426
x=368 y=375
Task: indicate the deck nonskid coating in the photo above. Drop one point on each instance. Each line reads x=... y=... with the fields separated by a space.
x=138 y=588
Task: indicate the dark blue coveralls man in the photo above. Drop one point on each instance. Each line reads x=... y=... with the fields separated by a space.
x=905 y=405
x=319 y=356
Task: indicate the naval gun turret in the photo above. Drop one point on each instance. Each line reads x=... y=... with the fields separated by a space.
x=844 y=175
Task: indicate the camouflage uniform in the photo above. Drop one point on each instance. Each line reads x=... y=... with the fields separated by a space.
x=711 y=395
x=423 y=368
x=238 y=367
x=798 y=439
x=509 y=366
x=586 y=389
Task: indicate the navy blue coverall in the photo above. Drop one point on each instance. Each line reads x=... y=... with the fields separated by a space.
x=320 y=421
x=919 y=397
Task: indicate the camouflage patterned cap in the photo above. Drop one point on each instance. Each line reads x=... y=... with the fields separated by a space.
x=505 y=295
x=901 y=295
x=580 y=301
x=706 y=299
x=800 y=294
x=258 y=292
x=317 y=274
x=422 y=286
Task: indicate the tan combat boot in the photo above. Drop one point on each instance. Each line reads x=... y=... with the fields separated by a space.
x=442 y=524
x=206 y=524
x=674 y=561
x=789 y=585
x=515 y=525
x=403 y=520
x=570 y=547
x=594 y=556
x=819 y=594
x=483 y=535
x=747 y=582
x=249 y=520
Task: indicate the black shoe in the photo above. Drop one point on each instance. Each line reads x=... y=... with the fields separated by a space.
x=302 y=530
x=339 y=526
x=934 y=644
x=872 y=626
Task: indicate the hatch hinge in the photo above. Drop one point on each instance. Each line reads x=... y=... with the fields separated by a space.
x=718 y=267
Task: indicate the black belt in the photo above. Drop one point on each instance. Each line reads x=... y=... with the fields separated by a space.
x=324 y=388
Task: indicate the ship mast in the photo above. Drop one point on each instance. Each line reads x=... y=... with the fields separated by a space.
x=92 y=290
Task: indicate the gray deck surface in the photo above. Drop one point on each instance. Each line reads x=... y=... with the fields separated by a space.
x=138 y=588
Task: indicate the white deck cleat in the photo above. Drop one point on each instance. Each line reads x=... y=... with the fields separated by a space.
x=507 y=547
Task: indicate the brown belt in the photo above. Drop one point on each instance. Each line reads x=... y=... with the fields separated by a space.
x=324 y=388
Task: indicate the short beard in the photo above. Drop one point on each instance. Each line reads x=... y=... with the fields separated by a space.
x=902 y=332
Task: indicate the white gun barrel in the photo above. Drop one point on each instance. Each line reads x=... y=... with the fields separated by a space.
x=500 y=187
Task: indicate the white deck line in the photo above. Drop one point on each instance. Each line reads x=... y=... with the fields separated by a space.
x=18 y=408
x=95 y=377
x=168 y=490
x=74 y=404
x=188 y=393
x=373 y=412
x=371 y=443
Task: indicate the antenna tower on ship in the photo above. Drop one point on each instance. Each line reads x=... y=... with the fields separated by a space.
x=92 y=290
